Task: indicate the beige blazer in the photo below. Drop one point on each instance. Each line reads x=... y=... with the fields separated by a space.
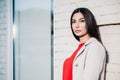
x=89 y=63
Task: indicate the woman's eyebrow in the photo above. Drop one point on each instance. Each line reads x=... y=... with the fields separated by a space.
x=80 y=18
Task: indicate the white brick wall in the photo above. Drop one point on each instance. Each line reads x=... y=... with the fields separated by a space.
x=111 y=36
x=106 y=12
x=5 y=40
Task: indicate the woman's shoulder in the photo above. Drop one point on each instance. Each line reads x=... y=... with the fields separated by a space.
x=94 y=42
x=96 y=46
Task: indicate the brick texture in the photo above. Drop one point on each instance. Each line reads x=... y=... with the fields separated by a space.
x=106 y=12
x=5 y=40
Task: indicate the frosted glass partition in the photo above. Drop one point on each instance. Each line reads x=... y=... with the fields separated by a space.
x=32 y=40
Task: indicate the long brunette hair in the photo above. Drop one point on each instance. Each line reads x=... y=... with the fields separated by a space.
x=91 y=25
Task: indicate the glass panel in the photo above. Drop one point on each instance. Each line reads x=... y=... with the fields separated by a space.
x=32 y=40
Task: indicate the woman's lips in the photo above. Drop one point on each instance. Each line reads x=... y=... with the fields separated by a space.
x=77 y=31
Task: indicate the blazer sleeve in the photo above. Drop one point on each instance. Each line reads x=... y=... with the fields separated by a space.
x=94 y=63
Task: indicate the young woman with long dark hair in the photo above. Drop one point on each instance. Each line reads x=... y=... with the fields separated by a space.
x=89 y=59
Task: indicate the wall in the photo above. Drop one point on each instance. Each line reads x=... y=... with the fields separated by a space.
x=6 y=40
x=107 y=14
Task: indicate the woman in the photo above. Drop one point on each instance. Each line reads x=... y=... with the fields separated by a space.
x=89 y=59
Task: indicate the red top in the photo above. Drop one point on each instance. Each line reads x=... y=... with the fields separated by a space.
x=67 y=66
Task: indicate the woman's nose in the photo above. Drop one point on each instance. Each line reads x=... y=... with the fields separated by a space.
x=77 y=25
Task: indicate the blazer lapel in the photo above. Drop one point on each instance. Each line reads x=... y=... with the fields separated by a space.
x=80 y=51
x=84 y=46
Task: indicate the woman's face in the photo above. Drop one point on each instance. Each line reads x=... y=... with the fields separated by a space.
x=79 y=24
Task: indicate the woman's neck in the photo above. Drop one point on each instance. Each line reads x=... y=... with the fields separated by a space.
x=85 y=38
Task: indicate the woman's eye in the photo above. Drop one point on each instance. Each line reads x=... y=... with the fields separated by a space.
x=73 y=21
x=82 y=20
